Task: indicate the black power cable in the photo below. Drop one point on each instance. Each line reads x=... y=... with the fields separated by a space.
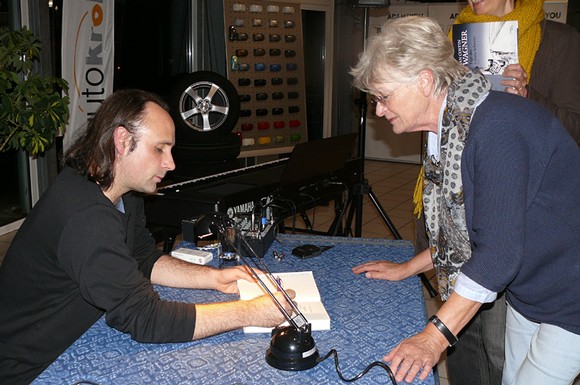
x=386 y=367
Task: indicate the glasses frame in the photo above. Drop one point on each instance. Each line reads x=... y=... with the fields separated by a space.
x=383 y=99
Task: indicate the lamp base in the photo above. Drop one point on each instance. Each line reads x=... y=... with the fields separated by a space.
x=292 y=349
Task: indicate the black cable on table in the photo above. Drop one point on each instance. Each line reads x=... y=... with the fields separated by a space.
x=381 y=364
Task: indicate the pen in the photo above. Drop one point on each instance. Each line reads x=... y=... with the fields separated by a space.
x=279 y=282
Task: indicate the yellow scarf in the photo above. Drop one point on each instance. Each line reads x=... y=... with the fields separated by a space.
x=529 y=14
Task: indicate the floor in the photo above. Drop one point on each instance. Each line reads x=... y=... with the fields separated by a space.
x=392 y=184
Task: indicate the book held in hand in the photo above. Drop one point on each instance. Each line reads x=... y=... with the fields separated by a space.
x=489 y=47
x=307 y=298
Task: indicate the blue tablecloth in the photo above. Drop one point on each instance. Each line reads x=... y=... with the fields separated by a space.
x=368 y=318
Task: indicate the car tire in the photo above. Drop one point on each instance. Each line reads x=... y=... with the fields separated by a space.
x=208 y=149
x=203 y=104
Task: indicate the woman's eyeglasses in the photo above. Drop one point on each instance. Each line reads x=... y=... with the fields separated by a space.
x=380 y=99
x=383 y=99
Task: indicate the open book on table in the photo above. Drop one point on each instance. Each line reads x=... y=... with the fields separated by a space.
x=488 y=46
x=307 y=298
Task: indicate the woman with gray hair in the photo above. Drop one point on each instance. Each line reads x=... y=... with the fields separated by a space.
x=501 y=207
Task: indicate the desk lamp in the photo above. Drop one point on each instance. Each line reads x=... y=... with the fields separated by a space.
x=292 y=347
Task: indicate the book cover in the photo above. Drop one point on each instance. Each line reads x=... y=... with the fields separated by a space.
x=307 y=298
x=489 y=47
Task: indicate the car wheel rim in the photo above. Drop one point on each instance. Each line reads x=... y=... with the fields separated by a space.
x=204 y=106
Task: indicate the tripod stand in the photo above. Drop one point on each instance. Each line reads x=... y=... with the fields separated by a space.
x=362 y=187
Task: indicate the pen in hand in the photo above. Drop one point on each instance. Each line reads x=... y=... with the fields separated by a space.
x=279 y=282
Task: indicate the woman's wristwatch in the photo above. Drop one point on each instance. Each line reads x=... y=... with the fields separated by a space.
x=450 y=337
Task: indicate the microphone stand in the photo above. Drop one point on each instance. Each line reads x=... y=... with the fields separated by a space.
x=291 y=347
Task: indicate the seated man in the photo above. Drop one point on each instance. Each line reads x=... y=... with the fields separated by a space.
x=84 y=251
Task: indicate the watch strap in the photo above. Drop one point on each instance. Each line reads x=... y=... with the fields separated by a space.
x=450 y=337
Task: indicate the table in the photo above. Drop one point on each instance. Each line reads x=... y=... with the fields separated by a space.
x=368 y=318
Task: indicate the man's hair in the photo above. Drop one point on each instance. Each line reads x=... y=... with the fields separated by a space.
x=403 y=48
x=93 y=151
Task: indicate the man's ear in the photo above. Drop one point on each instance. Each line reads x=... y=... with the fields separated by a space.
x=122 y=139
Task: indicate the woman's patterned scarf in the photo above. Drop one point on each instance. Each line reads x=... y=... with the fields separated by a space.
x=443 y=199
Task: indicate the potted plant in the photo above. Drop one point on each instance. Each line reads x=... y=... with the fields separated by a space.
x=32 y=108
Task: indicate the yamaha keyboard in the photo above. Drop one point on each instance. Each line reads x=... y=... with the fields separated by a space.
x=238 y=191
x=213 y=193
x=234 y=192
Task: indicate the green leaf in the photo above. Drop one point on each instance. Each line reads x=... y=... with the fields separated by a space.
x=32 y=108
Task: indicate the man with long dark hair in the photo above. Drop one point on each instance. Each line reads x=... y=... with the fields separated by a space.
x=84 y=251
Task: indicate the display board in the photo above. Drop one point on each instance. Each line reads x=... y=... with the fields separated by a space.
x=265 y=64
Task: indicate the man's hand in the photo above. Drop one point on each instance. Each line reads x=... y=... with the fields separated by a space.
x=215 y=318
x=226 y=279
x=267 y=312
x=383 y=270
x=173 y=272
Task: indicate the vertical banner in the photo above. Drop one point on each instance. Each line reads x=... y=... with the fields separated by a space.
x=87 y=58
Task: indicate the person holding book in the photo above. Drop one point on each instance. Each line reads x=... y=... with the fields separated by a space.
x=501 y=206
x=547 y=73
x=549 y=56
x=84 y=251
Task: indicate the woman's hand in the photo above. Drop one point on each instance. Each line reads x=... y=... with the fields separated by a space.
x=517 y=82
x=383 y=270
x=392 y=271
x=416 y=355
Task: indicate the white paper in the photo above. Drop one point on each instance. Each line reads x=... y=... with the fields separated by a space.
x=307 y=298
